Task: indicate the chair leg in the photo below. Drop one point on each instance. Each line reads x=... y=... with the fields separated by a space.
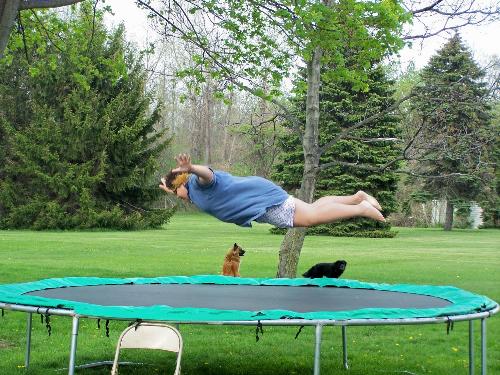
x=114 y=369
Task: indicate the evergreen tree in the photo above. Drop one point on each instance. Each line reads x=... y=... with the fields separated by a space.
x=490 y=200
x=453 y=106
x=342 y=106
x=78 y=138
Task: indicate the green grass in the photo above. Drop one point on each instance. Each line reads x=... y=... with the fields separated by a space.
x=195 y=244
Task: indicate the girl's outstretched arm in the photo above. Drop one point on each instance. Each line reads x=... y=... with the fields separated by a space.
x=205 y=174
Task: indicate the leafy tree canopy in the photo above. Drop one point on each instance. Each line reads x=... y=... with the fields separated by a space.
x=243 y=42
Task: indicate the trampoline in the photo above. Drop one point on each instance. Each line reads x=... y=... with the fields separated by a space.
x=243 y=301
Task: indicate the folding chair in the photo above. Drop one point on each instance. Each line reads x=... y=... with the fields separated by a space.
x=150 y=336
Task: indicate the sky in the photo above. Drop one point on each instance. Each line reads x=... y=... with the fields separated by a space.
x=482 y=40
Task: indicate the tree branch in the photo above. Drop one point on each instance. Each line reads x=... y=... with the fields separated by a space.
x=364 y=122
x=228 y=74
x=373 y=140
x=94 y=10
x=468 y=22
x=45 y=30
x=33 y=4
x=442 y=16
x=427 y=8
x=286 y=111
x=381 y=169
x=21 y=28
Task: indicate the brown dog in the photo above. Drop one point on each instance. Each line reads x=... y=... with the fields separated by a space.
x=231 y=265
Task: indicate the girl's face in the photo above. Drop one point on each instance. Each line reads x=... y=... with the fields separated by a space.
x=182 y=192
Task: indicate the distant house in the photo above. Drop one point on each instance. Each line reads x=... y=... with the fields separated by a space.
x=475 y=216
x=438 y=211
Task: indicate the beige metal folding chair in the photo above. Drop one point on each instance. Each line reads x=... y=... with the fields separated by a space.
x=150 y=336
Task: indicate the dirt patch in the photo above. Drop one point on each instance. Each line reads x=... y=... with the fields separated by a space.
x=5 y=344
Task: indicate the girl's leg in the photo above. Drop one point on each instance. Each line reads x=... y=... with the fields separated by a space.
x=307 y=214
x=344 y=199
x=357 y=198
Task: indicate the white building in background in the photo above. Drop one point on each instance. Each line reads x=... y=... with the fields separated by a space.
x=438 y=213
x=475 y=216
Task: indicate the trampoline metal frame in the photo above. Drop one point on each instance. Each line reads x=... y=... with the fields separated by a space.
x=319 y=324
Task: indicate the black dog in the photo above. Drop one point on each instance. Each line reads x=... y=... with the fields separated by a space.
x=332 y=270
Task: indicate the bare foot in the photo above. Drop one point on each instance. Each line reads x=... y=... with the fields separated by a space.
x=370 y=211
x=367 y=197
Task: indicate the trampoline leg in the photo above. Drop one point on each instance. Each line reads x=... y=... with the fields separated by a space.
x=483 y=346
x=317 y=349
x=74 y=338
x=28 y=341
x=471 y=347
x=344 y=347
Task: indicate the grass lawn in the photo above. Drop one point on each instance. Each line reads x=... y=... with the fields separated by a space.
x=195 y=244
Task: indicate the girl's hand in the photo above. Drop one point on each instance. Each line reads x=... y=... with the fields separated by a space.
x=205 y=175
x=183 y=163
x=164 y=187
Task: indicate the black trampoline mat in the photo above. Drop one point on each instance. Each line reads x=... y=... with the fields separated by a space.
x=242 y=297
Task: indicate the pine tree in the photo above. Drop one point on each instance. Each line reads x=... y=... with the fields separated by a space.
x=453 y=107
x=341 y=106
x=80 y=150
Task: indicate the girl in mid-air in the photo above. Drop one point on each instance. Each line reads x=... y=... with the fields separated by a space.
x=241 y=200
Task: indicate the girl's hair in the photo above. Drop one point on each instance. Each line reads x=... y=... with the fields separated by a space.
x=175 y=179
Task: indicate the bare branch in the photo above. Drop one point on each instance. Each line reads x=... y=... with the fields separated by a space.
x=427 y=8
x=287 y=113
x=344 y=133
x=381 y=169
x=445 y=28
x=373 y=140
x=436 y=17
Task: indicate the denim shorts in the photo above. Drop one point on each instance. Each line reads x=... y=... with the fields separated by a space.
x=281 y=215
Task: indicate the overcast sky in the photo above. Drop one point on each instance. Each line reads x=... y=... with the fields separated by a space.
x=483 y=40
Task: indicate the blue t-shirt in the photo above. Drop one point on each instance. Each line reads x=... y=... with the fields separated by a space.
x=232 y=199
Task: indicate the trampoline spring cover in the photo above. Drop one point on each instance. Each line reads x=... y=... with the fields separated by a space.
x=233 y=299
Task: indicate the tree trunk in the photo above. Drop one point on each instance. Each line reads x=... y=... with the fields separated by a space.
x=195 y=127
x=228 y=138
x=8 y=13
x=10 y=8
x=209 y=118
x=294 y=238
x=448 y=220
x=290 y=252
